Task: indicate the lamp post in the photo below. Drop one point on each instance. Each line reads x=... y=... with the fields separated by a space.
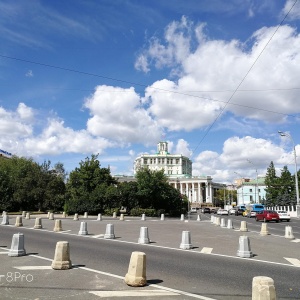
x=242 y=186
x=296 y=175
x=256 y=186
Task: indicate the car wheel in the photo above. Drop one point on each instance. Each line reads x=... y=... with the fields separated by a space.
x=256 y=219
x=277 y=221
x=287 y=220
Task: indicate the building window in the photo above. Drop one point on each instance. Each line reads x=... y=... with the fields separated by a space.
x=251 y=198
x=250 y=190
x=177 y=161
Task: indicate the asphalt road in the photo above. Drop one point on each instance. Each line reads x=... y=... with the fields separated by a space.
x=217 y=275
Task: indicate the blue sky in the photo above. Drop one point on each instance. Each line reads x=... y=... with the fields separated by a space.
x=216 y=79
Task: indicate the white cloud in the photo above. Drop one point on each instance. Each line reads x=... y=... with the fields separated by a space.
x=29 y=73
x=210 y=71
x=117 y=115
x=26 y=113
x=294 y=14
x=235 y=157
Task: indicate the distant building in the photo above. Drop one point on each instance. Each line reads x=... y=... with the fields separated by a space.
x=251 y=191
x=5 y=154
x=200 y=190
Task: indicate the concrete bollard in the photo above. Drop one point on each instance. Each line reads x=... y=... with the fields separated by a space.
x=4 y=213
x=144 y=236
x=19 y=222
x=223 y=223
x=244 y=247
x=182 y=217
x=243 y=227
x=230 y=224
x=143 y=217
x=17 y=245
x=38 y=223
x=5 y=220
x=264 y=229
x=83 y=228
x=121 y=217
x=263 y=288
x=186 y=241
x=23 y=213
x=289 y=232
x=212 y=219
x=62 y=257
x=109 y=233
x=85 y=215
x=114 y=215
x=217 y=221
x=64 y=215
x=136 y=275
x=57 y=226
x=99 y=217
x=75 y=217
x=198 y=218
x=162 y=217
x=48 y=215
x=27 y=216
x=51 y=216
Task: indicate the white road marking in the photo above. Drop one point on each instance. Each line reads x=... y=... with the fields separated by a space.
x=206 y=250
x=4 y=252
x=295 y=241
x=98 y=236
x=138 y=293
x=294 y=261
x=26 y=268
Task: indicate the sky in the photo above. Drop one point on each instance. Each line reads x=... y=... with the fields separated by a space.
x=215 y=79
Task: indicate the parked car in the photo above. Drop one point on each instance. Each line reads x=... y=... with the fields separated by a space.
x=251 y=214
x=193 y=210
x=267 y=215
x=239 y=212
x=206 y=210
x=232 y=211
x=283 y=215
x=222 y=212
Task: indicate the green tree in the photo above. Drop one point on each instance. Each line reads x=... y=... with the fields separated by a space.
x=87 y=187
x=272 y=184
x=286 y=187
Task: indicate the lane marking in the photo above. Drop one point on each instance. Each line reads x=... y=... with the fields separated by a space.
x=97 y=236
x=294 y=261
x=141 y=293
x=206 y=250
x=4 y=252
x=295 y=241
x=34 y=268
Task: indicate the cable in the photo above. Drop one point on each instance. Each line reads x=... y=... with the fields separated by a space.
x=243 y=79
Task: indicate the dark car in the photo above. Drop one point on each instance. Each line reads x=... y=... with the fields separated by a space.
x=267 y=215
x=206 y=210
x=239 y=212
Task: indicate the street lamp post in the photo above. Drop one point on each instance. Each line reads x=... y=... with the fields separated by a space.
x=256 y=186
x=296 y=175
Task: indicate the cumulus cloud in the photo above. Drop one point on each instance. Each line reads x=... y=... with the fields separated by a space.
x=208 y=72
x=294 y=14
x=242 y=155
x=117 y=114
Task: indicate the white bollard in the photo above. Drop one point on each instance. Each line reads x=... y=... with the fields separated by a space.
x=243 y=227
x=230 y=224
x=27 y=216
x=264 y=229
x=57 y=226
x=162 y=217
x=17 y=245
x=143 y=217
x=186 y=241
x=5 y=220
x=76 y=217
x=99 y=217
x=217 y=221
x=144 y=236
x=51 y=216
x=263 y=288
x=83 y=228
x=19 y=222
x=198 y=218
x=114 y=215
x=109 y=233
x=121 y=217
x=85 y=215
x=244 y=247
x=289 y=233
x=62 y=256
x=223 y=223
x=182 y=217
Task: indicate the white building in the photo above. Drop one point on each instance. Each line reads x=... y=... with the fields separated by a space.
x=200 y=190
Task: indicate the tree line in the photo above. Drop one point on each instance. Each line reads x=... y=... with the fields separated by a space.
x=280 y=190
x=27 y=185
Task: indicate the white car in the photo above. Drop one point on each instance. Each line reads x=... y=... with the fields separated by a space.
x=222 y=212
x=232 y=211
x=283 y=215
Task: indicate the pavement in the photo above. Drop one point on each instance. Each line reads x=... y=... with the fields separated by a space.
x=31 y=276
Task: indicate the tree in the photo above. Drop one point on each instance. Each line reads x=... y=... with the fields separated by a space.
x=87 y=186
x=286 y=187
x=271 y=182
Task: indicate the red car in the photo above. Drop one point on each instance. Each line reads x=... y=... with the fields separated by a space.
x=267 y=215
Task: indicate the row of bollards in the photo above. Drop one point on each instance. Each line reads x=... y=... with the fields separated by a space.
x=262 y=287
